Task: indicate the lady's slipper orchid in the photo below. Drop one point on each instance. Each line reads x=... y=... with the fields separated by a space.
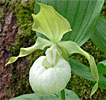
x=49 y=74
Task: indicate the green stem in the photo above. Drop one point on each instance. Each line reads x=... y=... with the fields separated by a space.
x=63 y=95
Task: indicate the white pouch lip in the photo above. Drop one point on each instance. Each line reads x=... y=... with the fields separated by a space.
x=49 y=74
x=51 y=80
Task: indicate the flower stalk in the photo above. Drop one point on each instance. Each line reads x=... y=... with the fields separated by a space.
x=63 y=94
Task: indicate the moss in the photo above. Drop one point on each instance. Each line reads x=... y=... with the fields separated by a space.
x=2 y=14
x=28 y=37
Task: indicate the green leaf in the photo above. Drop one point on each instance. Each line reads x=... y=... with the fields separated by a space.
x=81 y=69
x=50 y=23
x=35 y=96
x=102 y=82
x=72 y=47
x=99 y=36
x=70 y=95
x=102 y=67
x=82 y=15
x=103 y=62
x=84 y=71
x=40 y=44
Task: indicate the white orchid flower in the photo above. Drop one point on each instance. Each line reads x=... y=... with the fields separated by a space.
x=49 y=74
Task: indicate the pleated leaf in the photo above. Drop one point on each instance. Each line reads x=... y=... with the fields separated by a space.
x=84 y=71
x=99 y=36
x=82 y=15
x=102 y=67
x=70 y=95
